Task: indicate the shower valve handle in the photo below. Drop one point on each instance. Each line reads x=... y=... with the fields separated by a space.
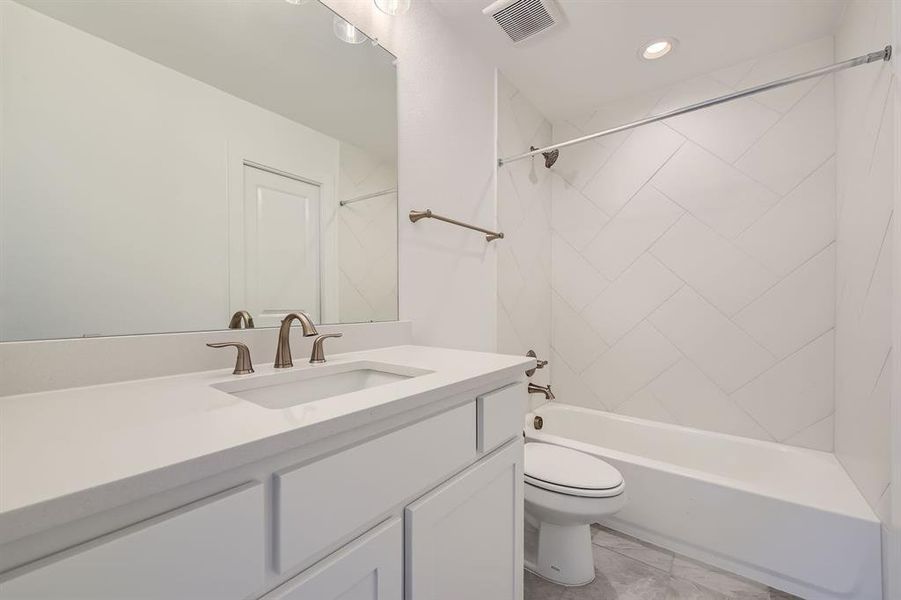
x=539 y=364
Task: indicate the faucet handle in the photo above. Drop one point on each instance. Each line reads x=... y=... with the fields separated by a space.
x=539 y=364
x=318 y=354
x=243 y=366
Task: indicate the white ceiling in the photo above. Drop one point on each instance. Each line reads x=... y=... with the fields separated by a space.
x=593 y=56
x=277 y=55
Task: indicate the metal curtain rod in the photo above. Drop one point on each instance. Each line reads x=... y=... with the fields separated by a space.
x=884 y=54
x=367 y=196
x=416 y=215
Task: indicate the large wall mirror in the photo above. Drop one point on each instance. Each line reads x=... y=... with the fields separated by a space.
x=164 y=165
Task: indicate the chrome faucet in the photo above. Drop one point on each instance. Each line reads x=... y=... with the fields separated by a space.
x=283 y=353
x=241 y=320
x=534 y=388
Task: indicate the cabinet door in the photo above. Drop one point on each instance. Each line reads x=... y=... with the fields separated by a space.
x=369 y=568
x=464 y=539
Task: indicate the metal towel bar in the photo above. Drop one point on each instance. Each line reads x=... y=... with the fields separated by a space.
x=416 y=215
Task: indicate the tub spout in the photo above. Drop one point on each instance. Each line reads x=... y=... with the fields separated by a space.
x=542 y=389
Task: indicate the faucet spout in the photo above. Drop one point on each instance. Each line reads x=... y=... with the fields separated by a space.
x=241 y=319
x=534 y=388
x=283 y=353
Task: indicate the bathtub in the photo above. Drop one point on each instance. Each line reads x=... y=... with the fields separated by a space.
x=784 y=516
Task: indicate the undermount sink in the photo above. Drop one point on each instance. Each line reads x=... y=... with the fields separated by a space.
x=284 y=390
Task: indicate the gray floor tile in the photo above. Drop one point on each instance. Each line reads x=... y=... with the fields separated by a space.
x=718 y=580
x=536 y=588
x=630 y=569
x=682 y=589
x=620 y=578
x=633 y=548
x=777 y=595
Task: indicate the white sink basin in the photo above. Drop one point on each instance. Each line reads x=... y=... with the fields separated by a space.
x=283 y=390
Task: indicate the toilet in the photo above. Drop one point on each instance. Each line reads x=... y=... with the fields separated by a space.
x=565 y=492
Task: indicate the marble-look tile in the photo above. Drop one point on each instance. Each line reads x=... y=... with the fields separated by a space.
x=733 y=586
x=620 y=578
x=536 y=588
x=682 y=589
x=632 y=547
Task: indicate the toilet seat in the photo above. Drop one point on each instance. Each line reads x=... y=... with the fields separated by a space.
x=567 y=471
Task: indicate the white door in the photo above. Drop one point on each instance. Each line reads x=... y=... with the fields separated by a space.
x=369 y=568
x=464 y=539
x=281 y=247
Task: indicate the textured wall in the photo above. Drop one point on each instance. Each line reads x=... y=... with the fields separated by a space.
x=693 y=260
x=523 y=214
x=446 y=162
x=866 y=159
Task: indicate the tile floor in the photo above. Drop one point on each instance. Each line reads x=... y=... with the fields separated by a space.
x=629 y=569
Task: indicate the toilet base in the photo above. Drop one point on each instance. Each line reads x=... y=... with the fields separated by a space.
x=564 y=554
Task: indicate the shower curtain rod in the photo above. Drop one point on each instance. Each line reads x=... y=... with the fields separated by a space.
x=367 y=196
x=885 y=54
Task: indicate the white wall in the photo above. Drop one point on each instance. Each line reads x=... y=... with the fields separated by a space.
x=523 y=214
x=446 y=162
x=693 y=259
x=114 y=191
x=866 y=176
x=446 y=159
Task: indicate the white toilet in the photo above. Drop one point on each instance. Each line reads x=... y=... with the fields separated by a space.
x=565 y=492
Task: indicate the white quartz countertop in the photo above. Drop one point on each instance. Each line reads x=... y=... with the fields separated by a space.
x=83 y=445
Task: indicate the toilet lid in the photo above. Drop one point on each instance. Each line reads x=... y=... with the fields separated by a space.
x=569 y=471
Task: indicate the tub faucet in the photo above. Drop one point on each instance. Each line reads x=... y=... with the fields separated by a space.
x=283 y=353
x=542 y=389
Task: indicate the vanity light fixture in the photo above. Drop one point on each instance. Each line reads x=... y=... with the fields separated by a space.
x=346 y=32
x=657 y=48
x=393 y=7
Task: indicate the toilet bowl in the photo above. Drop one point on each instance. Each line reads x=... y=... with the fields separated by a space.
x=565 y=492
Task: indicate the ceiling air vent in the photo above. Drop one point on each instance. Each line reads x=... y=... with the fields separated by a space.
x=521 y=19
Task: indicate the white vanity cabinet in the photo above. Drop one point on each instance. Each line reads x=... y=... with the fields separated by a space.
x=426 y=505
x=370 y=568
x=212 y=549
x=464 y=539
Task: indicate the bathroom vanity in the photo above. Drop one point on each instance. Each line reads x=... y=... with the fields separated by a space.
x=389 y=473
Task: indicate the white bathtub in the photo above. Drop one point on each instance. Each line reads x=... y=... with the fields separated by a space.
x=785 y=516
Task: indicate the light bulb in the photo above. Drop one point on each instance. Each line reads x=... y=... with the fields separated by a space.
x=346 y=32
x=393 y=7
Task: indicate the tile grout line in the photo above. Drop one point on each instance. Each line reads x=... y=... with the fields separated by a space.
x=783 y=198
x=785 y=277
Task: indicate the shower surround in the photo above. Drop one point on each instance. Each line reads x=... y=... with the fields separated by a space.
x=693 y=260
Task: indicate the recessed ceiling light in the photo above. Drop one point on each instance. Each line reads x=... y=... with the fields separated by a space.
x=297 y=2
x=657 y=48
x=346 y=32
x=393 y=7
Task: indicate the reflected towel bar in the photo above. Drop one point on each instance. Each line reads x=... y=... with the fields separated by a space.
x=416 y=215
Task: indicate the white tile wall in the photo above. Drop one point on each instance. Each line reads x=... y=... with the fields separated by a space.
x=367 y=238
x=693 y=261
x=524 y=215
x=864 y=163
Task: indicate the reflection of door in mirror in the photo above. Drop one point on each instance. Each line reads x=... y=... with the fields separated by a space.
x=280 y=247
